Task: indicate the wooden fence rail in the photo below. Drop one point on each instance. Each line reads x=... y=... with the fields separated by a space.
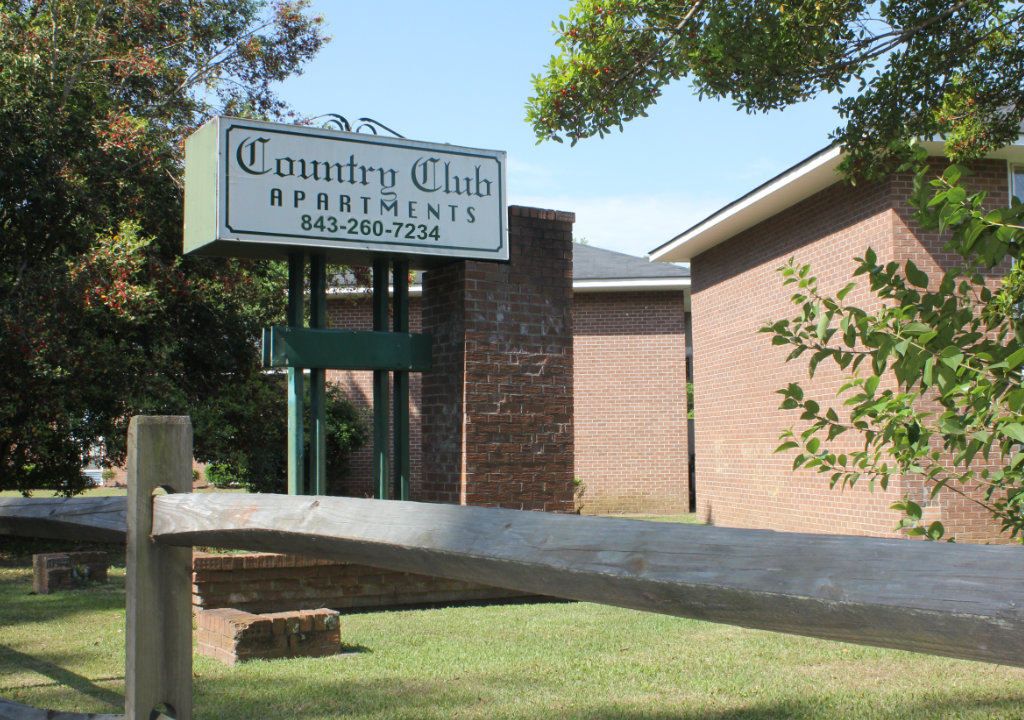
x=963 y=601
x=100 y=519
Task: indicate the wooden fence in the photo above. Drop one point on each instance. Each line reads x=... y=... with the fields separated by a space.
x=962 y=601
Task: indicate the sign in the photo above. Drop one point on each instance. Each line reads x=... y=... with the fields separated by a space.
x=264 y=190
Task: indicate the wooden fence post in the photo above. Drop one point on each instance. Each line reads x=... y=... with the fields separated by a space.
x=158 y=662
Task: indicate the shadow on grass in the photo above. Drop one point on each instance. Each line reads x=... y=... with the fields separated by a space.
x=18 y=551
x=232 y=698
x=354 y=649
x=21 y=605
x=61 y=676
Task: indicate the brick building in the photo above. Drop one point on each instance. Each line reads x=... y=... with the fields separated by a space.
x=629 y=339
x=806 y=213
x=629 y=406
x=491 y=422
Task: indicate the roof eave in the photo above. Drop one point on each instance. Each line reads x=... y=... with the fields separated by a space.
x=795 y=184
x=634 y=284
x=790 y=187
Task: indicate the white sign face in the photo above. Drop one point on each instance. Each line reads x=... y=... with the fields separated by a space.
x=286 y=187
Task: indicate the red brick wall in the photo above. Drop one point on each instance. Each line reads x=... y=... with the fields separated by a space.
x=964 y=519
x=444 y=391
x=629 y=351
x=497 y=406
x=739 y=480
x=629 y=396
x=629 y=401
x=267 y=582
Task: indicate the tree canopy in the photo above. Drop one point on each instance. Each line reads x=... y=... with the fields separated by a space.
x=100 y=315
x=902 y=69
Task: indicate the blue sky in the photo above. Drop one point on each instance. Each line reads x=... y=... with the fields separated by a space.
x=459 y=71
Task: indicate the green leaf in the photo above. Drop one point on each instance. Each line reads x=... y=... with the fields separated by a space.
x=951 y=356
x=915 y=276
x=1015 y=359
x=915 y=329
x=845 y=291
x=823 y=320
x=926 y=373
x=1012 y=430
x=870 y=385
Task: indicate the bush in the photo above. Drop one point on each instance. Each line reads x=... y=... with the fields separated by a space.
x=221 y=475
x=245 y=440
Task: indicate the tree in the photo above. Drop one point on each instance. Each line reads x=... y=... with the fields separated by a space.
x=100 y=315
x=937 y=367
x=903 y=69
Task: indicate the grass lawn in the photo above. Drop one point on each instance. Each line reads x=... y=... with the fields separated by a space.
x=90 y=492
x=688 y=518
x=572 y=660
x=102 y=492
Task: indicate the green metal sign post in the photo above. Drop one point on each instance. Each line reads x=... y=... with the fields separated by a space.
x=318 y=379
x=381 y=454
x=400 y=283
x=296 y=389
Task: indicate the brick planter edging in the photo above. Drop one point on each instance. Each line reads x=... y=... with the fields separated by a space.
x=66 y=571
x=235 y=635
x=267 y=582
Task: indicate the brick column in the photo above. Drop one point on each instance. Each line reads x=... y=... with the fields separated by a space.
x=497 y=406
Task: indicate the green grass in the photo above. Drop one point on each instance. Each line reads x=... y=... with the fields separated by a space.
x=105 y=492
x=90 y=492
x=573 y=660
x=688 y=518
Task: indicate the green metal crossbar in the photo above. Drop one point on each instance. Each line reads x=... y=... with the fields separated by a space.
x=345 y=349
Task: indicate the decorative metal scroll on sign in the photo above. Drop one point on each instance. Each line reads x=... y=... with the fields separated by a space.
x=368 y=124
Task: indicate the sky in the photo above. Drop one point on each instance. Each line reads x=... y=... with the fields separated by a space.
x=459 y=72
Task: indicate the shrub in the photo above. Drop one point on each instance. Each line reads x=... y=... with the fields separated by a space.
x=252 y=450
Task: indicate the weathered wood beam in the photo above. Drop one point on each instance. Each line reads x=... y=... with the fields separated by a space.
x=99 y=519
x=963 y=601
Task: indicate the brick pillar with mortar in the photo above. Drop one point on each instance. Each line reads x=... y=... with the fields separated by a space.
x=497 y=406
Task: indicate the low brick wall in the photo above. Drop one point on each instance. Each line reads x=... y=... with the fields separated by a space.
x=264 y=582
x=235 y=635
x=66 y=571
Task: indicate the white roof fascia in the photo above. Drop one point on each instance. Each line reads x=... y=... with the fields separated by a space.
x=792 y=186
x=650 y=284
